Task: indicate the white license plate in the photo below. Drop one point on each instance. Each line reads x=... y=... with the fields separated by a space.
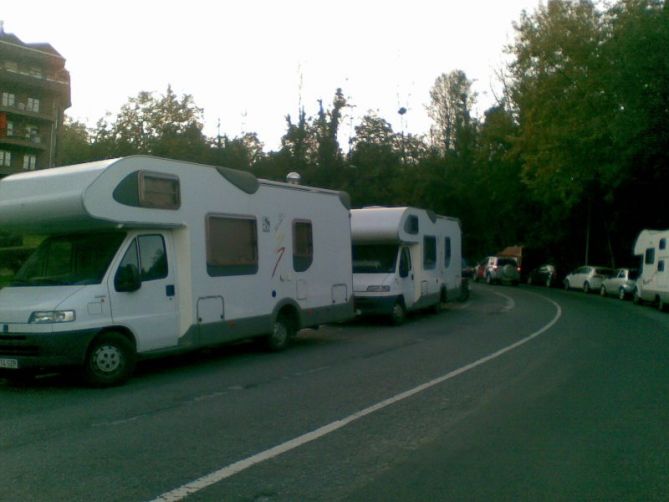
x=9 y=363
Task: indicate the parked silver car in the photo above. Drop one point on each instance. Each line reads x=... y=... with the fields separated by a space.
x=622 y=283
x=587 y=278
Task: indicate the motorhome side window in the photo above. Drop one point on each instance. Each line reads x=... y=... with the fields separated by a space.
x=447 y=252
x=303 y=245
x=160 y=191
x=660 y=266
x=232 y=245
x=411 y=225
x=429 y=252
x=663 y=244
x=650 y=256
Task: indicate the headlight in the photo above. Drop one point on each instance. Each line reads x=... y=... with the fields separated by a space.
x=378 y=289
x=52 y=316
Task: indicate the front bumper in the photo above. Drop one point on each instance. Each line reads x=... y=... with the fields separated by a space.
x=34 y=351
x=375 y=305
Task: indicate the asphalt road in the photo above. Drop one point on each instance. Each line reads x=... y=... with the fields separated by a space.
x=519 y=394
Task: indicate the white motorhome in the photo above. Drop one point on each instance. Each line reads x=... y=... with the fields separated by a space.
x=405 y=259
x=146 y=256
x=652 y=285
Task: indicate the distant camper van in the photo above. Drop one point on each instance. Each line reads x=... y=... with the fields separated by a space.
x=405 y=259
x=652 y=285
x=147 y=256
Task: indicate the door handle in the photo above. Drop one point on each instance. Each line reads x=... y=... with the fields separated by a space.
x=169 y=290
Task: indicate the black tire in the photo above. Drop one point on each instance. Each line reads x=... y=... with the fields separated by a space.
x=566 y=285
x=636 y=299
x=586 y=287
x=621 y=294
x=602 y=291
x=110 y=360
x=282 y=331
x=464 y=292
x=398 y=314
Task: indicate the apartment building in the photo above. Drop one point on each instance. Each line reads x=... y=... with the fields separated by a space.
x=34 y=93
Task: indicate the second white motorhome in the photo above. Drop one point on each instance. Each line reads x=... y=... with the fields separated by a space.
x=652 y=285
x=147 y=256
x=405 y=259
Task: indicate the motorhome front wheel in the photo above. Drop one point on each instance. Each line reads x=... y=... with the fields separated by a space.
x=110 y=360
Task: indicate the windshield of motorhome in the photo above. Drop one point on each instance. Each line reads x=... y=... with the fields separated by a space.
x=70 y=259
x=374 y=258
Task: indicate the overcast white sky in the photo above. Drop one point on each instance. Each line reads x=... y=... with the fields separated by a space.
x=248 y=62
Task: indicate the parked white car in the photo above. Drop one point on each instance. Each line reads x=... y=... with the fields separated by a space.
x=622 y=284
x=587 y=278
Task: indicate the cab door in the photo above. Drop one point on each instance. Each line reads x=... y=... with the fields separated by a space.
x=150 y=309
x=406 y=277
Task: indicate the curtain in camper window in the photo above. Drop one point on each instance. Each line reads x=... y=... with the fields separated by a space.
x=303 y=245
x=232 y=246
x=429 y=252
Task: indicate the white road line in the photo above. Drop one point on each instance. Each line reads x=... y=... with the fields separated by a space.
x=237 y=467
x=510 y=303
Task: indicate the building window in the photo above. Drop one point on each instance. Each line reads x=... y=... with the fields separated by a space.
x=10 y=129
x=29 y=162
x=32 y=133
x=663 y=243
x=160 y=191
x=429 y=252
x=5 y=158
x=303 y=246
x=232 y=245
x=32 y=105
x=8 y=99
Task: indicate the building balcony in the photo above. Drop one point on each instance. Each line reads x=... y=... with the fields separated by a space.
x=20 y=110
x=46 y=82
x=34 y=142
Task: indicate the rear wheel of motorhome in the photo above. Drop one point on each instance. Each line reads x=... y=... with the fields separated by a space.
x=282 y=330
x=110 y=360
x=398 y=314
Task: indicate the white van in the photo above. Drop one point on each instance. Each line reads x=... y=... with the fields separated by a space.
x=652 y=285
x=405 y=259
x=147 y=256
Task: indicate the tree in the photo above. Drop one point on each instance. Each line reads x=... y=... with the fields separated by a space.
x=75 y=144
x=450 y=109
x=558 y=96
x=166 y=125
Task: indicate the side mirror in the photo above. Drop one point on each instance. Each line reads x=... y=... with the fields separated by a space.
x=127 y=279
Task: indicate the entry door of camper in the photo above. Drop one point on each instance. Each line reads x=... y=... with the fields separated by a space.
x=407 y=277
x=150 y=311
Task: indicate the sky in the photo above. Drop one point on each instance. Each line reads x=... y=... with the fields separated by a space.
x=250 y=63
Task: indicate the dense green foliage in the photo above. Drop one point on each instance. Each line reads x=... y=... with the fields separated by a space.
x=572 y=160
